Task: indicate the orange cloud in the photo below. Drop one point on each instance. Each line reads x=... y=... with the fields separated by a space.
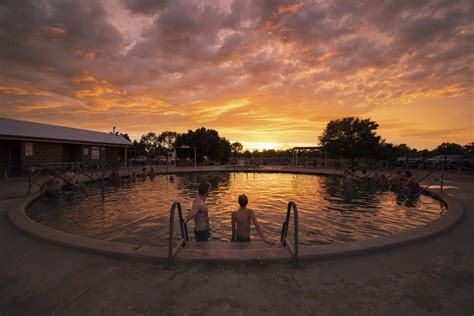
x=22 y=91
x=291 y=8
x=99 y=91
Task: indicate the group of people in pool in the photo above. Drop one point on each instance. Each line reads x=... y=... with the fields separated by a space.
x=242 y=218
x=56 y=184
x=402 y=182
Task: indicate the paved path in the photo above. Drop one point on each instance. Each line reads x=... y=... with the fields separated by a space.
x=435 y=276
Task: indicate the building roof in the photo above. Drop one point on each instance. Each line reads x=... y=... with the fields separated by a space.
x=15 y=129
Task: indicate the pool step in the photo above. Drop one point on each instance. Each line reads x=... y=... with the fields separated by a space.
x=233 y=251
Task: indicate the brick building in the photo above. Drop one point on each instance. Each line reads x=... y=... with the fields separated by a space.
x=24 y=144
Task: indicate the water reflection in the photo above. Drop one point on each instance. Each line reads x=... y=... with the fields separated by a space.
x=330 y=211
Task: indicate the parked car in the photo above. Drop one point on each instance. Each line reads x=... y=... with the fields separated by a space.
x=467 y=161
x=140 y=160
x=410 y=160
x=450 y=161
x=159 y=160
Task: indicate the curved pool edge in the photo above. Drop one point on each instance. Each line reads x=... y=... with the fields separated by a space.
x=18 y=217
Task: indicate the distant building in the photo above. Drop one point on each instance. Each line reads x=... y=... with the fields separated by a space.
x=24 y=144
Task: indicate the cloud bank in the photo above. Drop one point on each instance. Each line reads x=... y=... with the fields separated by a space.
x=258 y=71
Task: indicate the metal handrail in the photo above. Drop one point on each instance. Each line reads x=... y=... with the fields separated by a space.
x=439 y=168
x=292 y=248
x=172 y=251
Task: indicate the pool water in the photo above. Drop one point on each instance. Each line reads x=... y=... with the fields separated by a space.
x=330 y=211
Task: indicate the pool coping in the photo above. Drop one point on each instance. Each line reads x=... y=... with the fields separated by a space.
x=19 y=219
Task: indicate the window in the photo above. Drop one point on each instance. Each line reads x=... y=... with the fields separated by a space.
x=95 y=153
x=29 y=149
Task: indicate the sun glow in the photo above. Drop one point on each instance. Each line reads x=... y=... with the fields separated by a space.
x=261 y=145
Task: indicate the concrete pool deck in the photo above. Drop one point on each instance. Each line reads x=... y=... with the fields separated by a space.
x=434 y=276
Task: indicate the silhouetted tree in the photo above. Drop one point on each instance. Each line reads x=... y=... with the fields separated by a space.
x=448 y=149
x=151 y=144
x=469 y=148
x=208 y=144
x=166 y=141
x=351 y=138
x=236 y=148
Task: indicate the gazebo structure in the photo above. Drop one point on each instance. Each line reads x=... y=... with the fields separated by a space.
x=297 y=150
x=173 y=155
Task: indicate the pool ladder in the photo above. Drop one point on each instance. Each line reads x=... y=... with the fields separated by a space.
x=292 y=247
x=173 y=250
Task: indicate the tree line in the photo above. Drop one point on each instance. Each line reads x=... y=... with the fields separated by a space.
x=350 y=138
x=209 y=145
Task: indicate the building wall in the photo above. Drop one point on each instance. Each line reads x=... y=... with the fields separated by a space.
x=51 y=153
x=72 y=153
x=43 y=153
x=112 y=155
x=4 y=156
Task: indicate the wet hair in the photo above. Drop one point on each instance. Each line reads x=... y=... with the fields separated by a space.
x=408 y=173
x=203 y=188
x=243 y=200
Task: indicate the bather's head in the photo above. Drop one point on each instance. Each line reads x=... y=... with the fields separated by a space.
x=243 y=200
x=203 y=189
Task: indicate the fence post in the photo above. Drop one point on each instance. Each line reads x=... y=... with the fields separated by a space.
x=103 y=176
x=441 y=181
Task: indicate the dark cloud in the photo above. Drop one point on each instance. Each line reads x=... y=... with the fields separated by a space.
x=147 y=7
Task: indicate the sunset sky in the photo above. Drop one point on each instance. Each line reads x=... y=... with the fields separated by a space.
x=269 y=74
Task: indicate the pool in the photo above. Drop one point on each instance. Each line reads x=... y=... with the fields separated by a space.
x=330 y=211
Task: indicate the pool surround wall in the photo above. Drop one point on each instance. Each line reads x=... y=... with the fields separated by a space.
x=254 y=252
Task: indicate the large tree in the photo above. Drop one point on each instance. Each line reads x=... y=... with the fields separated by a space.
x=236 y=148
x=151 y=144
x=167 y=140
x=351 y=138
x=448 y=149
x=469 y=148
x=208 y=144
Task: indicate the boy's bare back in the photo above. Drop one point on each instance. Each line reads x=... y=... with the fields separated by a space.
x=243 y=218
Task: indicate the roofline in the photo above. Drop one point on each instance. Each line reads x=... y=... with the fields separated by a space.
x=49 y=140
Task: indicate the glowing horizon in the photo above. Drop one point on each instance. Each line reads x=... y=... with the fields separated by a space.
x=268 y=74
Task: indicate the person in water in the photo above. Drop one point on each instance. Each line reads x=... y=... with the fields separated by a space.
x=52 y=186
x=398 y=180
x=133 y=176
x=200 y=213
x=142 y=175
x=115 y=174
x=412 y=184
x=241 y=221
x=71 y=180
x=152 y=173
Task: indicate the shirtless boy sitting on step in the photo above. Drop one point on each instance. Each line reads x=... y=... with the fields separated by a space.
x=241 y=222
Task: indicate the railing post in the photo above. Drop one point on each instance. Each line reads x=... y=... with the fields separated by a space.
x=170 y=265
x=29 y=180
x=441 y=181
x=295 y=238
x=284 y=232
x=103 y=176
x=181 y=224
